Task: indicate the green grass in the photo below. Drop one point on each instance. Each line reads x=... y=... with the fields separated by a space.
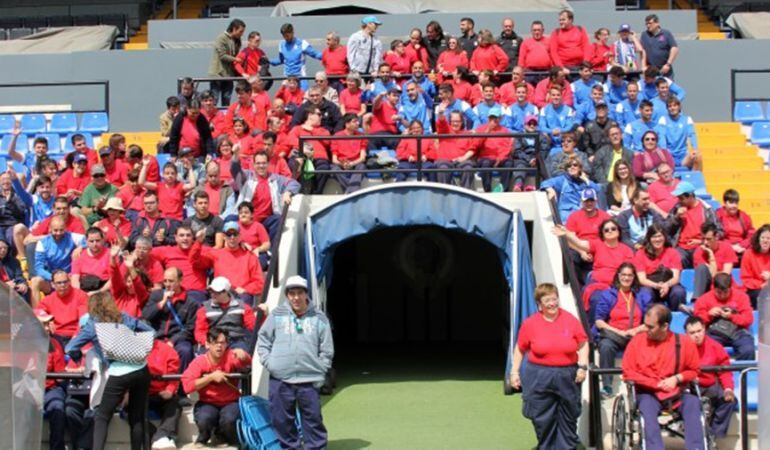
x=415 y=399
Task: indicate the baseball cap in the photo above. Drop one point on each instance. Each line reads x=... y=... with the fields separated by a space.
x=601 y=104
x=42 y=315
x=394 y=90
x=220 y=284
x=97 y=169
x=624 y=27
x=231 y=226
x=588 y=194
x=495 y=111
x=105 y=151
x=295 y=281
x=80 y=158
x=684 y=187
x=371 y=19
x=114 y=203
x=531 y=117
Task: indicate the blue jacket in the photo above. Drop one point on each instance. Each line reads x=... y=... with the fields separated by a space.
x=585 y=112
x=39 y=207
x=625 y=112
x=608 y=299
x=294 y=356
x=429 y=91
x=568 y=192
x=581 y=91
x=677 y=133
x=12 y=268
x=633 y=132
x=650 y=91
x=87 y=334
x=562 y=118
x=292 y=56
x=471 y=119
x=414 y=110
x=615 y=94
x=52 y=255
x=519 y=113
x=482 y=112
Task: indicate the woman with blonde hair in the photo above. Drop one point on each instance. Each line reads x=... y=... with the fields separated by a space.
x=124 y=377
x=620 y=191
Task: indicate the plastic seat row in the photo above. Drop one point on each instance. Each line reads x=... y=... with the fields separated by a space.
x=750 y=112
x=697 y=179
x=90 y=122
x=687 y=280
x=55 y=144
x=760 y=134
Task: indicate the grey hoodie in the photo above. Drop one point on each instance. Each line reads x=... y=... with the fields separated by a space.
x=292 y=356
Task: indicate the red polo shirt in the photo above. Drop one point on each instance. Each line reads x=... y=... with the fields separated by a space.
x=335 y=61
x=743 y=315
x=712 y=353
x=117 y=174
x=96 y=265
x=660 y=194
x=171 y=200
x=66 y=311
x=691 y=223
x=351 y=101
x=110 y=231
x=551 y=343
x=217 y=394
x=254 y=234
x=193 y=273
x=320 y=146
x=584 y=226
x=382 y=118
x=669 y=258
x=130 y=198
x=607 y=259
x=239 y=266
x=68 y=181
x=348 y=150
x=724 y=254
x=752 y=266
x=738 y=229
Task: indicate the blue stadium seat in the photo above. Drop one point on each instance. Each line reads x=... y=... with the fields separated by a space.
x=54 y=141
x=68 y=141
x=33 y=123
x=752 y=391
x=95 y=122
x=737 y=277
x=678 y=319
x=687 y=280
x=714 y=204
x=7 y=122
x=21 y=143
x=63 y=123
x=754 y=328
x=698 y=180
x=3 y=163
x=748 y=112
x=760 y=133
x=162 y=159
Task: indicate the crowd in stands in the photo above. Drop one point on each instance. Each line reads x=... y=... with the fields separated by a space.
x=113 y=233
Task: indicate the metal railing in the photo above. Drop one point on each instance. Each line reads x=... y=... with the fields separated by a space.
x=595 y=401
x=420 y=170
x=104 y=83
x=245 y=378
x=733 y=88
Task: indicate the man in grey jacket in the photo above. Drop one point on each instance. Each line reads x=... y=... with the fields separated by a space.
x=295 y=345
x=226 y=48
x=364 y=49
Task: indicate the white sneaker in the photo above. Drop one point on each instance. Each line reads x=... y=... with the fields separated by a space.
x=164 y=443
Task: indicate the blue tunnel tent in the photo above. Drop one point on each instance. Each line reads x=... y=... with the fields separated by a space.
x=415 y=204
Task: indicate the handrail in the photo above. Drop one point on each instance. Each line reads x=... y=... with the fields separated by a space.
x=105 y=83
x=595 y=404
x=245 y=377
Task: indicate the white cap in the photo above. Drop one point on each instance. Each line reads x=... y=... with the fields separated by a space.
x=220 y=284
x=295 y=281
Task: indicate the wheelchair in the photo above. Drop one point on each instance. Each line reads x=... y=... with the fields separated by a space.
x=627 y=424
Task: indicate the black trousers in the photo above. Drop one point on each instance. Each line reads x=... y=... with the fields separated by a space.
x=137 y=384
x=169 y=411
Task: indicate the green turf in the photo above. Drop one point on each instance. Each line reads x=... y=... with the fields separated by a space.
x=413 y=399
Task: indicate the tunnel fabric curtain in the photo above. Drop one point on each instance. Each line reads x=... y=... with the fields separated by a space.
x=410 y=204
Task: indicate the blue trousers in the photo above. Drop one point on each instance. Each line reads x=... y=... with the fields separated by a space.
x=743 y=345
x=350 y=182
x=466 y=178
x=722 y=411
x=552 y=402
x=53 y=407
x=689 y=408
x=320 y=179
x=80 y=421
x=271 y=224
x=486 y=177
x=677 y=295
x=186 y=354
x=413 y=165
x=212 y=419
x=285 y=399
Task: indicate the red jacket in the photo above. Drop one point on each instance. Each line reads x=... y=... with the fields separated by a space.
x=448 y=61
x=739 y=229
x=415 y=55
x=507 y=94
x=541 y=93
x=712 y=353
x=449 y=149
x=128 y=303
x=66 y=311
x=55 y=362
x=163 y=360
x=491 y=57
x=535 y=55
x=599 y=59
x=239 y=266
x=217 y=394
x=647 y=362
x=193 y=270
x=752 y=266
x=570 y=47
x=493 y=148
x=742 y=316
x=111 y=232
x=320 y=146
x=254 y=116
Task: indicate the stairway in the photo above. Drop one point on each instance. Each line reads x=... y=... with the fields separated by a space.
x=728 y=162
x=186 y=9
x=707 y=29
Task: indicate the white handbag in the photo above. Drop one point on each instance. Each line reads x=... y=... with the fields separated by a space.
x=121 y=343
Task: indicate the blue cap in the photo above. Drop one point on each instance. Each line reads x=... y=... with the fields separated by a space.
x=79 y=157
x=371 y=19
x=588 y=194
x=231 y=226
x=495 y=111
x=684 y=187
x=624 y=27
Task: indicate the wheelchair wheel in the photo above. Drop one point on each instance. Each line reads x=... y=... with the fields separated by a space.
x=620 y=424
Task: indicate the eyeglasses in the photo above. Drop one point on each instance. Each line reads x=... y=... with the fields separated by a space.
x=61 y=283
x=650 y=139
x=99 y=175
x=231 y=235
x=608 y=229
x=575 y=165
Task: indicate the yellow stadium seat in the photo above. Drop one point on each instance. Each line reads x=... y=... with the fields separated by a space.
x=145 y=139
x=718 y=151
x=716 y=189
x=731 y=140
x=719 y=163
x=717 y=127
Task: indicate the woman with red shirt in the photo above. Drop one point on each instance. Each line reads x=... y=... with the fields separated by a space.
x=755 y=265
x=75 y=179
x=555 y=369
x=406 y=152
x=398 y=60
x=290 y=93
x=243 y=143
x=129 y=287
x=615 y=322
x=415 y=49
x=171 y=192
x=602 y=51
x=254 y=235
x=488 y=55
x=191 y=129
x=608 y=253
x=450 y=59
x=736 y=224
x=462 y=88
x=225 y=159
x=658 y=266
x=351 y=98
x=116 y=227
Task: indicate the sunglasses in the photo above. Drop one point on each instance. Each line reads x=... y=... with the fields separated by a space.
x=608 y=229
x=650 y=139
x=99 y=175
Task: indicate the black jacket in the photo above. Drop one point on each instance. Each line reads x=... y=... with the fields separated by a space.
x=510 y=45
x=331 y=118
x=175 y=135
x=166 y=326
x=141 y=222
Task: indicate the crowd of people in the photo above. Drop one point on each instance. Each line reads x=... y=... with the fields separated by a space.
x=113 y=236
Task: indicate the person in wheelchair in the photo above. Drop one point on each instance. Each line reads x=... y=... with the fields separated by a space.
x=661 y=365
x=718 y=388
